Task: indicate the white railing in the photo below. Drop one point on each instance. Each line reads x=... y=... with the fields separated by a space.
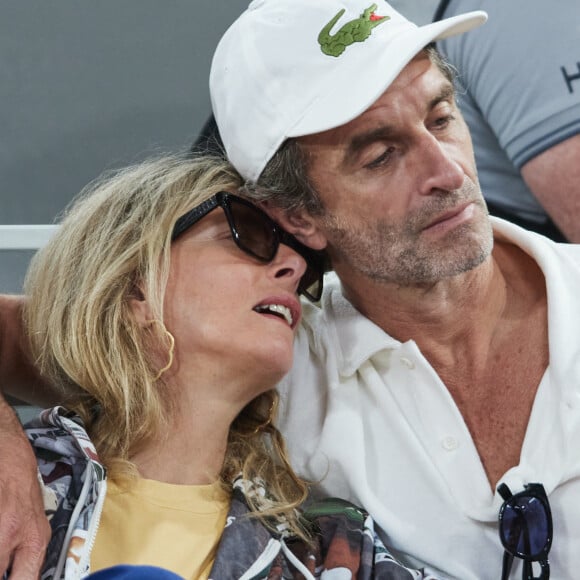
x=29 y=237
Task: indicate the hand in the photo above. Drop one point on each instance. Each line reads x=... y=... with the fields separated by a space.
x=24 y=529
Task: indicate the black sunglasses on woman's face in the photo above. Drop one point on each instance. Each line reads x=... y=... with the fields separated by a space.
x=258 y=235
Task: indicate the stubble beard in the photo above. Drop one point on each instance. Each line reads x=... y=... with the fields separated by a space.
x=398 y=253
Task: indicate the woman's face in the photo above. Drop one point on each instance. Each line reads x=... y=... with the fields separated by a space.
x=232 y=317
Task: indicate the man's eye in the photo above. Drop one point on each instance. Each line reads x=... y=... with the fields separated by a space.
x=442 y=122
x=381 y=159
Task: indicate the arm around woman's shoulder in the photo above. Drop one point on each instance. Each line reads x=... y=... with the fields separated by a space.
x=18 y=376
x=24 y=529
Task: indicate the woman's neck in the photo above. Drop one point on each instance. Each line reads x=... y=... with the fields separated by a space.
x=189 y=451
x=205 y=400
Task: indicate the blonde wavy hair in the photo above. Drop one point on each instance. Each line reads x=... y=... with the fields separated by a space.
x=114 y=239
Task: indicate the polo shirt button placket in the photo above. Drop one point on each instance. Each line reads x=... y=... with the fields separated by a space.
x=449 y=443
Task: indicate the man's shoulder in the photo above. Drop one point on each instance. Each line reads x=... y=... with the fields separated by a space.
x=536 y=245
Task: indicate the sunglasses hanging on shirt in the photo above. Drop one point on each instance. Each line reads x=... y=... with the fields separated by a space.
x=525 y=530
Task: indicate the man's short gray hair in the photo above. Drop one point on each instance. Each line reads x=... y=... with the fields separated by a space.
x=285 y=182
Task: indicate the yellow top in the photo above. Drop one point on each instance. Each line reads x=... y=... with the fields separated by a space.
x=176 y=527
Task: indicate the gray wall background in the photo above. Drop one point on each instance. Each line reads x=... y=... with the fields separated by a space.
x=87 y=85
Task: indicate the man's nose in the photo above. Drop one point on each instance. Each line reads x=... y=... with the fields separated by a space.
x=438 y=169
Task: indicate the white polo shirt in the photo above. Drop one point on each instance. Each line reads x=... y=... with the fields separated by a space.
x=368 y=416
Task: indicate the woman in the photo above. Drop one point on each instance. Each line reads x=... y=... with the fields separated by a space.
x=165 y=307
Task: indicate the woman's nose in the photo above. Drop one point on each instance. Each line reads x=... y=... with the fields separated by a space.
x=288 y=266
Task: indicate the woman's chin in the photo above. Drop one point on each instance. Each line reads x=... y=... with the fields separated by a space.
x=276 y=362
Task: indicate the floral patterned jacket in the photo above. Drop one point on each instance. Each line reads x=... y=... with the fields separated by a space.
x=74 y=485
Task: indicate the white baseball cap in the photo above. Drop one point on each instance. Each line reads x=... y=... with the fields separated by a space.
x=288 y=68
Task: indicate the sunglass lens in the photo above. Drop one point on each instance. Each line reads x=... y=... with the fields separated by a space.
x=525 y=526
x=255 y=231
x=311 y=284
x=256 y=234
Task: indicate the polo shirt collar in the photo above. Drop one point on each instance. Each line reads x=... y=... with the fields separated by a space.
x=355 y=338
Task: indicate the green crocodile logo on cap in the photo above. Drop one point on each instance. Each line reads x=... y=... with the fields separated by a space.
x=357 y=30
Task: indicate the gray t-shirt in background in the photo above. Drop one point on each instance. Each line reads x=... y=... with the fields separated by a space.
x=521 y=75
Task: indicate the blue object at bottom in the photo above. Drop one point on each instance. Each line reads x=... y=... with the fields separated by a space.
x=126 y=572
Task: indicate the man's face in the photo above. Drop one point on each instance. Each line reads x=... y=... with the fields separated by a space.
x=399 y=186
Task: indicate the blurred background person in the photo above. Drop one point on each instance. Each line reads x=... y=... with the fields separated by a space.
x=520 y=96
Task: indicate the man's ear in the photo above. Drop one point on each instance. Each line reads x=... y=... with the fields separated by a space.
x=300 y=224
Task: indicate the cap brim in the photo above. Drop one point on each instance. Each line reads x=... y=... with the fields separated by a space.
x=354 y=93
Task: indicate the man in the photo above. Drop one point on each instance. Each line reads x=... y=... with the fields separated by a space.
x=521 y=75
x=443 y=360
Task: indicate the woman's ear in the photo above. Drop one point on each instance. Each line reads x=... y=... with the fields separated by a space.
x=300 y=224
x=140 y=307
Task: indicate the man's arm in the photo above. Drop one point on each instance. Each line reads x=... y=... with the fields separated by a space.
x=554 y=178
x=18 y=376
x=24 y=529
